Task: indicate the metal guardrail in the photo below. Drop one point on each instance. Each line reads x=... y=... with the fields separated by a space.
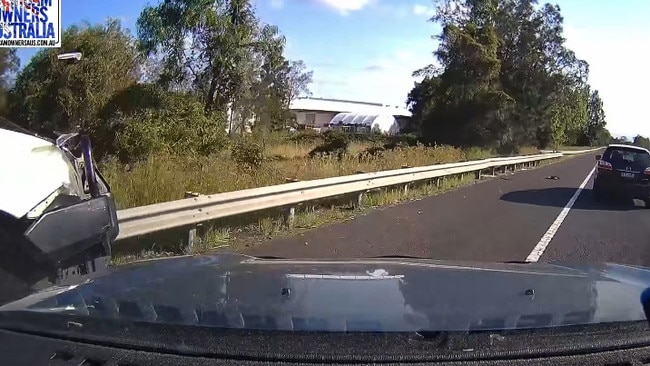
x=167 y=215
x=572 y=152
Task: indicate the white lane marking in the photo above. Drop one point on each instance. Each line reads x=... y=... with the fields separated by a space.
x=548 y=236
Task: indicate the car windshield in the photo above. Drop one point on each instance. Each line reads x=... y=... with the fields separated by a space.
x=328 y=165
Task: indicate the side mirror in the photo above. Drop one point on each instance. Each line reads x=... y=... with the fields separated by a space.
x=598 y=157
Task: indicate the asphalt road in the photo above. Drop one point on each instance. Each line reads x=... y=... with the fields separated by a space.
x=498 y=219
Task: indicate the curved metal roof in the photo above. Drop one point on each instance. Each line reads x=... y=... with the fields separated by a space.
x=384 y=122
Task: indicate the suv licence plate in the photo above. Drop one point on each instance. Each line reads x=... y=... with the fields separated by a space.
x=627 y=175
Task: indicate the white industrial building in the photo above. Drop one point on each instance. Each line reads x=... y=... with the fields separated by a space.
x=319 y=113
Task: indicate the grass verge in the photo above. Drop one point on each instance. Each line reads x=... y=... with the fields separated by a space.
x=167 y=178
x=242 y=232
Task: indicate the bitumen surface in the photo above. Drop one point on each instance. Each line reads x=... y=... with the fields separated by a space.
x=499 y=219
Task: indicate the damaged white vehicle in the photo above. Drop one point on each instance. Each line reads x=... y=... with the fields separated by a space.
x=57 y=215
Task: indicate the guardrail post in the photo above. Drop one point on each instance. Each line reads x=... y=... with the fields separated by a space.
x=191 y=237
x=478 y=175
x=359 y=201
x=406 y=186
x=290 y=216
x=290 y=212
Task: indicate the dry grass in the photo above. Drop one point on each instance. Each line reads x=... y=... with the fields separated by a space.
x=166 y=178
x=240 y=233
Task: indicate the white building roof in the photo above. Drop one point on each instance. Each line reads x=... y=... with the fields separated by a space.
x=385 y=123
x=346 y=106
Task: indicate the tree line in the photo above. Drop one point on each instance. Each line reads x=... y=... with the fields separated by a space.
x=503 y=77
x=196 y=71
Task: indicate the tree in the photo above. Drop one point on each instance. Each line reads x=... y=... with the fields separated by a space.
x=299 y=80
x=421 y=102
x=272 y=98
x=469 y=102
x=504 y=77
x=596 y=120
x=9 y=64
x=220 y=51
x=641 y=141
x=201 y=43
x=57 y=96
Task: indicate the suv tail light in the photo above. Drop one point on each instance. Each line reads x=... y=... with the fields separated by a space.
x=647 y=171
x=604 y=165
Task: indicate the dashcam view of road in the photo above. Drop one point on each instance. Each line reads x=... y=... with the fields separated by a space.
x=353 y=181
x=255 y=142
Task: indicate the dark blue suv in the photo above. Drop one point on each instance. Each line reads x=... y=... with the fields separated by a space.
x=623 y=170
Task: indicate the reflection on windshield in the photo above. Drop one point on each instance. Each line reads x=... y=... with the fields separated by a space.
x=358 y=297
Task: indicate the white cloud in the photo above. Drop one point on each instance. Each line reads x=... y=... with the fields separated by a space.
x=427 y=11
x=277 y=4
x=617 y=58
x=345 y=6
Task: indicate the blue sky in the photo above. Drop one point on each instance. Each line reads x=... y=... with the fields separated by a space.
x=367 y=49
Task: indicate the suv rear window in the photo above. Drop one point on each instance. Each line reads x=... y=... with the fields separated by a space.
x=627 y=156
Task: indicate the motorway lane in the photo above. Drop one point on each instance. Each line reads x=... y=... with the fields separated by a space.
x=616 y=232
x=498 y=219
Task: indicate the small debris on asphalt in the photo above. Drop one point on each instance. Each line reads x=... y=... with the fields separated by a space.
x=553 y=177
x=419 y=212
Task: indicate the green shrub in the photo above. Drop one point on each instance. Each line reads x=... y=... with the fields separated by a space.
x=247 y=154
x=336 y=138
x=409 y=139
x=334 y=142
x=180 y=128
x=306 y=137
